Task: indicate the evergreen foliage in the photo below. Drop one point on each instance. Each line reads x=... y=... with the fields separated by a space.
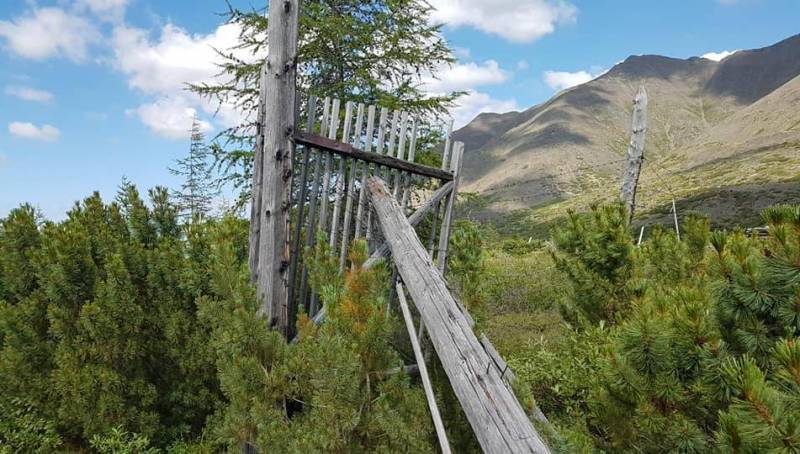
x=375 y=52
x=703 y=353
x=197 y=191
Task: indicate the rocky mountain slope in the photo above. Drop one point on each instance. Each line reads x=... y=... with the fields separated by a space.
x=723 y=138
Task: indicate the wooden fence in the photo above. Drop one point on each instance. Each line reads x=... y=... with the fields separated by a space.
x=355 y=178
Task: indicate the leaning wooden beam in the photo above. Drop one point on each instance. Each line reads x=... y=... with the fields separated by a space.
x=423 y=372
x=383 y=250
x=496 y=417
x=630 y=179
x=345 y=149
x=276 y=162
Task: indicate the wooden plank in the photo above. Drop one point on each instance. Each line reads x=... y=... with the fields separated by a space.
x=326 y=175
x=301 y=202
x=401 y=149
x=630 y=179
x=378 y=150
x=392 y=138
x=412 y=153
x=444 y=237
x=351 y=190
x=312 y=205
x=256 y=188
x=383 y=251
x=496 y=417
x=362 y=195
x=445 y=165
x=423 y=372
x=279 y=88
x=344 y=149
x=340 y=179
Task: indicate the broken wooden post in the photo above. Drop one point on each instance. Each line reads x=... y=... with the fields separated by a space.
x=498 y=420
x=274 y=161
x=635 y=152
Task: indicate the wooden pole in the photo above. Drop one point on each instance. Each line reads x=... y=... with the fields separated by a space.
x=444 y=236
x=496 y=417
x=423 y=372
x=256 y=190
x=675 y=218
x=445 y=165
x=630 y=179
x=276 y=161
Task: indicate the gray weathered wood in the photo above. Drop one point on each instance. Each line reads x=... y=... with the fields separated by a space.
x=675 y=219
x=351 y=190
x=258 y=165
x=362 y=195
x=401 y=149
x=423 y=372
x=312 y=205
x=278 y=129
x=447 y=221
x=326 y=175
x=630 y=179
x=340 y=179
x=301 y=201
x=496 y=417
x=383 y=250
x=412 y=153
x=379 y=150
x=349 y=151
x=445 y=165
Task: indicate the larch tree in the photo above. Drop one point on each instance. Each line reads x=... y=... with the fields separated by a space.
x=375 y=52
x=197 y=190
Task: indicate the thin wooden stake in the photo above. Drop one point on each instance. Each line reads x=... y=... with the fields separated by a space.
x=340 y=179
x=641 y=234
x=326 y=177
x=437 y=213
x=423 y=372
x=351 y=190
x=675 y=218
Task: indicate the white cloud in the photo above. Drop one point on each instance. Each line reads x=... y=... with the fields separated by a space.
x=29 y=94
x=561 y=80
x=473 y=103
x=49 y=32
x=719 y=56
x=514 y=20
x=463 y=76
x=45 y=133
x=170 y=118
x=163 y=67
x=109 y=10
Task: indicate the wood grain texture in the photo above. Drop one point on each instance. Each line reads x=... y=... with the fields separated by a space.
x=633 y=168
x=278 y=129
x=496 y=417
x=447 y=221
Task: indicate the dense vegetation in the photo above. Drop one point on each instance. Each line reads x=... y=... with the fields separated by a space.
x=684 y=345
x=124 y=330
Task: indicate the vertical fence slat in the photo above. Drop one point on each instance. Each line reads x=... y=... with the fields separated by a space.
x=438 y=210
x=326 y=177
x=340 y=179
x=311 y=112
x=362 y=195
x=312 y=204
x=350 y=193
x=378 y=149
x=444 y=237
x=392 y=138
x=412 y=152
x=401 y=149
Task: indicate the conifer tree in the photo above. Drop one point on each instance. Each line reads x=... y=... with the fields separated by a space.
x=197 y=189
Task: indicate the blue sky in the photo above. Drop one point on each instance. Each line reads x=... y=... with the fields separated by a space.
x=91 y=90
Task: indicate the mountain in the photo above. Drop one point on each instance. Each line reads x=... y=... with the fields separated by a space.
x=723 y=138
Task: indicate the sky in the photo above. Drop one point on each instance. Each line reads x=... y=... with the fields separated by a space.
x=92 y=91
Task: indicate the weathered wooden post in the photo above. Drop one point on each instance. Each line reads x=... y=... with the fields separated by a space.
x=447 y=223
x=635 y=152
x=272 y=174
